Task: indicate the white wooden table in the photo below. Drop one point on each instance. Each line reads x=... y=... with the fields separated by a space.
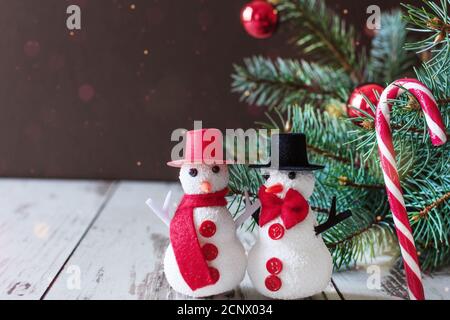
x=98 y=240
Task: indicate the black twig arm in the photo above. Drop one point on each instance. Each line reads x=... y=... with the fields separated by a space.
x=333 y=218
x=256 y=216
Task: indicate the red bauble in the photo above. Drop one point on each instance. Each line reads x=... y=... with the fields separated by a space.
x=259 y=19
x=358 y=101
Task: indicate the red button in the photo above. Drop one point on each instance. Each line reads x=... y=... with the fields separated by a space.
x=274 y=266
x=215 y=275
x=273 y=283
x=276 y=231
x=207 y=229
x=210 y=251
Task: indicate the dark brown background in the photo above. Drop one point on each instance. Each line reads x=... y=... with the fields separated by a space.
x=93 y=105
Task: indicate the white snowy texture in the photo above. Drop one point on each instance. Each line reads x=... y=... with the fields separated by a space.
x=192 y=185
x=303 y=183
x=231 y=261
x=307 y=263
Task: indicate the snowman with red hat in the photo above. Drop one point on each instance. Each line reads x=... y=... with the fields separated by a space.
x=204 y=257
x=290 y=259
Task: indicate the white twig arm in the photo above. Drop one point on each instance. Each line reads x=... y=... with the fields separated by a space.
x=167 y=202
x=250 y=209
x=163 y=213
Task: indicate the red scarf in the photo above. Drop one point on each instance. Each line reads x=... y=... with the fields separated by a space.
x=183 y=236
x=293 y=209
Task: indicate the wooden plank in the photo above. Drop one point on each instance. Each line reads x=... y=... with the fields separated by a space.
x=330 y=293
x=41 y=222
x=437 y=285
x=121 y=256
x=361 y=282
x=358 y=284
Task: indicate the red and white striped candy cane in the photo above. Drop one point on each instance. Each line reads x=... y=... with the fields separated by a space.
x=438 y=136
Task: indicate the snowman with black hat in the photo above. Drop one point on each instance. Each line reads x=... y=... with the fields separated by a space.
x=290 y=259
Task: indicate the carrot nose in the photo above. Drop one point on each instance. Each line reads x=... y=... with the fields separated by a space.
x=205 y=187
x=276 y=188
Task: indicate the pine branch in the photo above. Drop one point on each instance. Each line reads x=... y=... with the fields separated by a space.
x=434 y=226
x=361 y=242
x=432 y=19
x=432 y=258
x=438 y=82
x=344 y=181
x=263 y=82
x=333 y=245
x=425 y=212
x=328 y=138
x=443 y=101
x=323 y=35
x=328 y=154
x=388 y=60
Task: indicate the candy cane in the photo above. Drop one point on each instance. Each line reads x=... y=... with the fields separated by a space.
x=436 y=129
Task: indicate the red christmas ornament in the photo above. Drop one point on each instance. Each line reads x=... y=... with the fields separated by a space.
x=259 y=19
x=358 y=101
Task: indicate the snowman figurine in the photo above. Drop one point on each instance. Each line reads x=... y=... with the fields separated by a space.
x=204 y=257
x=290 y=259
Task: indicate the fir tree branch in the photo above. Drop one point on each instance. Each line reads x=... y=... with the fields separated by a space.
x=328 y=137
x=431 y=19
x=423 y=214
x=360 y=243
x=388 y=60
x=328 y=154
x=443 y=101
x=264 y=82
x=433 y=257
x=439 y=25
x=323 y=34
x=344 y=181
x=351 y=236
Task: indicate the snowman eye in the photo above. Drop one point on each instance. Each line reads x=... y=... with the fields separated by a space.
x=292 y=175
x=266 y=176
x=193 y=172
x=215 y=169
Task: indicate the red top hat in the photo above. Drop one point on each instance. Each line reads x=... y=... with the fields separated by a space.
x=203 y=146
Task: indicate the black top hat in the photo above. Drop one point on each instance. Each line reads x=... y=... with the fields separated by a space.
x=292 y=153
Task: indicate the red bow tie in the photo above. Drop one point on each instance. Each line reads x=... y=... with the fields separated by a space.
x=293 y=208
